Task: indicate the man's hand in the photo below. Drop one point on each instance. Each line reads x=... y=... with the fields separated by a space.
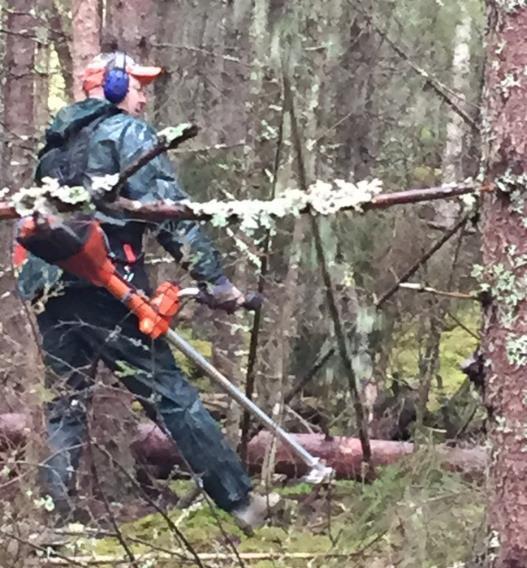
x=225 y=296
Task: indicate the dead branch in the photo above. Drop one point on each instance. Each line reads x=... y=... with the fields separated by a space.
x=117 y=531
x=65 y=560
x=159 y=211
x=358 y=405
x=100 y=560
x=170 y=523
x=437 y=86
x=422 y=288
x=160 y=148
x=419 y=262
x=250 y=375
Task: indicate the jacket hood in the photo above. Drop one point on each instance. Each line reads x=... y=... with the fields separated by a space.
x=74 y=117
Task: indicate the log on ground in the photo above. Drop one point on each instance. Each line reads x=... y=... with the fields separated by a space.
x=153 y=448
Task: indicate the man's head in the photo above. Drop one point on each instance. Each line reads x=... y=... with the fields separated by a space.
x=119 y=78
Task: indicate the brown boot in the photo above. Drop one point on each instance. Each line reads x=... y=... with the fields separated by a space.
x=252 y=516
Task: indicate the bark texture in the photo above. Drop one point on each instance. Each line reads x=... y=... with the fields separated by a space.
x=132 y=25
x=18 y=353
x=504 y=234
x=86 y=39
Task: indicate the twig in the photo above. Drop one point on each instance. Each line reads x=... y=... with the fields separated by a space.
x=200 y=50
x=328 y=284
x=415 y=267
x=118 y=534
x=422 y=288
x=162 y=146
x=146 y=497
x=254 y=556
x=98 y=533
x=467 y=422
x=255 y=331
x=306 y=379
x=215 y=148
x=312 y=372
x=439 y=88
x=251 y=556
x=309 y=427
x=462 y=325
x=60 y=557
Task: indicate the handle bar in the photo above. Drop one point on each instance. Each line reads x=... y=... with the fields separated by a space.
x=252 y=301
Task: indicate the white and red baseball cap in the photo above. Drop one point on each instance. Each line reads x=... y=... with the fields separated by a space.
x=93 y=75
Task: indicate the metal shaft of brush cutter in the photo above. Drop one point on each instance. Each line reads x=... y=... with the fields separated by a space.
x=318 y=471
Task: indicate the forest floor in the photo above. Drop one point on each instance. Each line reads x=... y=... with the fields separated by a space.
x=414 y=515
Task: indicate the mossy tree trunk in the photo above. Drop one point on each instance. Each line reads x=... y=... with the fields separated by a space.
x=504 y=234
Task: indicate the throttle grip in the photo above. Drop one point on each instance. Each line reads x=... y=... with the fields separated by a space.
x=253 y=301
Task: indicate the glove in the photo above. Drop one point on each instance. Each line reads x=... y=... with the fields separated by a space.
x=223 y=296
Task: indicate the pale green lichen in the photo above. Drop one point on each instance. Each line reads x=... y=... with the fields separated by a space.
x=508 y=83
x=172 y=133
x=322 y=198
x=40 y=199
x=517 y=201
x=103 y=183
x=516 y=348
x=516 y=260
x=509 y=182
x=502 y=426
x=506 y=287
x=511 y=6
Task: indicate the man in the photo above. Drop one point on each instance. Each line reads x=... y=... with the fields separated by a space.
x=83 y=324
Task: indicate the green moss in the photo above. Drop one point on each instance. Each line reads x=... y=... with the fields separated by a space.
x=456 y=345
x=203 y=347
x=296 y=489
x=414 y=509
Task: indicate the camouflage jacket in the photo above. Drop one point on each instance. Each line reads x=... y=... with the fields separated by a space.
x=116 y=142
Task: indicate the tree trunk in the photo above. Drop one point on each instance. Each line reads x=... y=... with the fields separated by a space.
x=42 y=77
x=19 y=358
x=456 y=130
x=504 y=234
x=17 y=354
x=60 y=34
x=132 y=24
x=86 y=39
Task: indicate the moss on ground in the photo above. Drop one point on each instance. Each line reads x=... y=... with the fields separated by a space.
x=456 y=346
x=413 y=514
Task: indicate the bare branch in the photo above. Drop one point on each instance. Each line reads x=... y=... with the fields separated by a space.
x=329 y=289
x=236 y=211
x=422 y=288
x=442 y=90
x=415 y=267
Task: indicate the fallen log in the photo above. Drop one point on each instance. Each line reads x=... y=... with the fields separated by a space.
x=151 y=447
x=344 y=455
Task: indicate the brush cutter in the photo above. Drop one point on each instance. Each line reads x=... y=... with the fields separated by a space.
x=79 y=247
